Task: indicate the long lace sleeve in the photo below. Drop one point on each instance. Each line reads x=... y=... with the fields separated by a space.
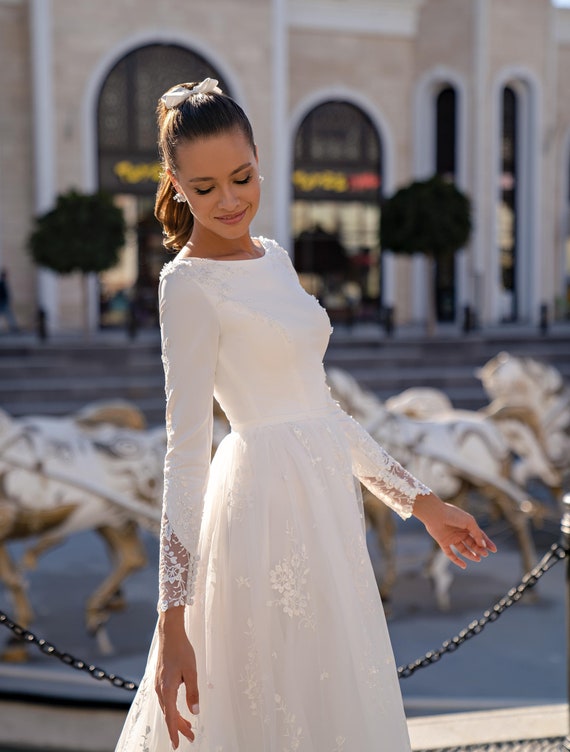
x=378 y=471
x=190 y=335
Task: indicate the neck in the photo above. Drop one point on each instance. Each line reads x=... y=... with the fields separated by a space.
x=207 y=244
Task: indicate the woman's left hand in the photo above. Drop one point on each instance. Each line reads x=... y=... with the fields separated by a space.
x=454 y=530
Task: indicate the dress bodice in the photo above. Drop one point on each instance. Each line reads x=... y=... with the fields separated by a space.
x=273 y=335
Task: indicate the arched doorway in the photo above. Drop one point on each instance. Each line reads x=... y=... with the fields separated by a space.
x=129 y=168
x=445 y=165
x=517 y=203
x=337 y=179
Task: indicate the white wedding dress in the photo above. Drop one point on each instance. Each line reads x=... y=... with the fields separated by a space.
x=267 y=545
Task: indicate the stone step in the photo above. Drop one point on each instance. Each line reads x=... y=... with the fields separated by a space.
x=59 y=377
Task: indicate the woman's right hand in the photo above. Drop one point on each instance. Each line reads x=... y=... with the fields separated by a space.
x=176 y=665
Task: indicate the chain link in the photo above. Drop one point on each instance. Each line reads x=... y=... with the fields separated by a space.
x=69 y=660
x=556 y=553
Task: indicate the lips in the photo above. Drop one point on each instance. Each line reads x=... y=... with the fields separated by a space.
x=232 y=219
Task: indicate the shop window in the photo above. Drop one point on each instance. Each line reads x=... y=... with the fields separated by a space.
x=508 y=204
x=129 y=169
x=445 y=162
x=337 y=180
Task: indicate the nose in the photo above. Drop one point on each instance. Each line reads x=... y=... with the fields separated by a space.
x=228 y=199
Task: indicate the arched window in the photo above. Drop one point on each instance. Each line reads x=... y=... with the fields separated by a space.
x=337 y=178
x=129 y=168
x=445 y=165
x=508 y=206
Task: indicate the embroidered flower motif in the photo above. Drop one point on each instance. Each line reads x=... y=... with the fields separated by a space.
x=250 y=678
x=292 y=732
x=289 y=578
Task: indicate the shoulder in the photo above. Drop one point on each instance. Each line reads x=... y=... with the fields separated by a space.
x=180 y=284
x=272 y=246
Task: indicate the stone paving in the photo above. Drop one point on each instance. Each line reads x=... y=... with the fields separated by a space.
x=544 y=745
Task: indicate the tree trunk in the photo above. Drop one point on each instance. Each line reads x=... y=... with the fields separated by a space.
x=430 y=313
x=85 y=290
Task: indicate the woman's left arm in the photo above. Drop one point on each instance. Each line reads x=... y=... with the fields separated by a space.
x=454 y=530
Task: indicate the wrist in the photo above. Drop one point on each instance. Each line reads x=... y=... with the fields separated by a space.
x=171 y=620
x=426 y=507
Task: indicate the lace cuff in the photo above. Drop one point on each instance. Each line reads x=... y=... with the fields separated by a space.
x=379 y=472
x=176 y=571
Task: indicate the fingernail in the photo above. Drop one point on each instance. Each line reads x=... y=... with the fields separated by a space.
x=195 y=709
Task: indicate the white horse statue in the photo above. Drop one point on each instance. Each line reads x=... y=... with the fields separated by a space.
x=97 y=470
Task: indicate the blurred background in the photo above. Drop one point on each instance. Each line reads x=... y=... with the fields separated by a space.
x=350 y=99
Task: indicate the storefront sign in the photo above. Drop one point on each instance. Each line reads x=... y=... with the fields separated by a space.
x=335 y=183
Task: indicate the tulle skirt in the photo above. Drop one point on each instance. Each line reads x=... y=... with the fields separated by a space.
x=289 y=632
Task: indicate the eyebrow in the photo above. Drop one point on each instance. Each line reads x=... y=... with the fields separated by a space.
x=234 y=172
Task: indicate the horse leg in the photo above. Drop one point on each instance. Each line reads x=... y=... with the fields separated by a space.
x=32 y=554
x=16 y=651
x=521 y=525
x=127 y=555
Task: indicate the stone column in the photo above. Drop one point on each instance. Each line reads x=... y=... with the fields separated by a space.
x=43 y=135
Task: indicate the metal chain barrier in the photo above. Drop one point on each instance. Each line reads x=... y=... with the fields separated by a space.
x=556 y=553
x=69 y=660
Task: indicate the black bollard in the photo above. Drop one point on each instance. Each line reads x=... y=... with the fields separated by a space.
x=467 y=319
x=41 y=324
x=565 y=543
x=543 y=321
x=388 y=320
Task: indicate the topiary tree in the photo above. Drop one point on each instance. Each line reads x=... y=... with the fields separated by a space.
x=431 y=217
x=82 y=233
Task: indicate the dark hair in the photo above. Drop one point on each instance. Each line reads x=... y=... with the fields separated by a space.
x=200 y=116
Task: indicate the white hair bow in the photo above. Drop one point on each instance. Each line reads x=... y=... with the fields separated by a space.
x=180 y=94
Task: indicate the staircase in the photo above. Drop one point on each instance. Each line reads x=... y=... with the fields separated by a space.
x=62 y=375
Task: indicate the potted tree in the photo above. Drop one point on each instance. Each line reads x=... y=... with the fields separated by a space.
x=432 y=217
x=82 y=233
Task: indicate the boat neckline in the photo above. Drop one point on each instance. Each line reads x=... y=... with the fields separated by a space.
x=225 y=261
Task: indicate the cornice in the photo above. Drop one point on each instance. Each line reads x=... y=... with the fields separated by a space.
x=389 y=17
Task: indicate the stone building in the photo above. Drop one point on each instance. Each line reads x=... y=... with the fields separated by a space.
x=349 y=100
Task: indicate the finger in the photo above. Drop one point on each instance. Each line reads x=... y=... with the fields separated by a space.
x=463 y=549
x=192 y=696
x=480 y=538
x=185 y=727
x=171 y=716
x=453 y=557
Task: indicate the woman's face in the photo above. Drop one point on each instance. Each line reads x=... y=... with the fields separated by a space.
x=219 y=176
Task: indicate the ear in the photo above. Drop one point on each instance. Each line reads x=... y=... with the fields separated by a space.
x=173 y=180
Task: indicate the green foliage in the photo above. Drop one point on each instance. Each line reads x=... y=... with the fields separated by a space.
x=430 y=216
x=82 y=233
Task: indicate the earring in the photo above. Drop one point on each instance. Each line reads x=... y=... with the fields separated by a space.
x=261 y=178
x=180 y=197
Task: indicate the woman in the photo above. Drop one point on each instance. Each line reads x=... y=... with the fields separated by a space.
x=271 y=634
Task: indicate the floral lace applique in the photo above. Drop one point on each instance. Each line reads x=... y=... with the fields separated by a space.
x=250 y=678
x=292 y=732
x=289 y=578
x=340 y=741
x=379 y=472
x=177 y=570
x=359 y=561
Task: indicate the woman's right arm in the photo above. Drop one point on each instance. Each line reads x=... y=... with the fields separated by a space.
x=190 y=336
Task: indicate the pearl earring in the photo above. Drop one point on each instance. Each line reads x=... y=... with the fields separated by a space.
x=261 y=178
x=180 y=197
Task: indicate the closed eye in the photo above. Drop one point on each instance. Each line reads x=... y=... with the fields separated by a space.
x=204 y=191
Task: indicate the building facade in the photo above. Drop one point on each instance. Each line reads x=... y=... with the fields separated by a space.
x=349 y=99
